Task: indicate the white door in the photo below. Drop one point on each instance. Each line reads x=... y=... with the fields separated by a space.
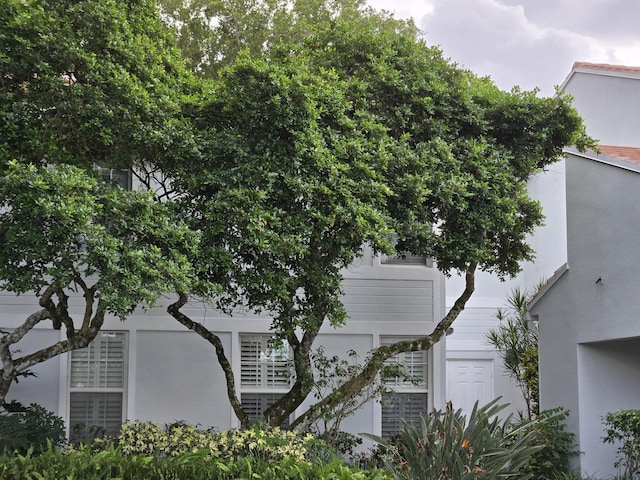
x=468 y=381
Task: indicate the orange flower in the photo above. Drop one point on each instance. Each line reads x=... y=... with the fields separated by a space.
x=465 y=443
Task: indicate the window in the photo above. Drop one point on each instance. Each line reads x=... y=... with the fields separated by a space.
x=122 y=178
x=265 y=373
x=410 y=394
x=404 y=258
x=96 y=386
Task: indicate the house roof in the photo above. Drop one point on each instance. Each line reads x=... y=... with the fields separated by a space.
x=624 y=157
x=629 y=154
x=564 y=268
x=602 y=69
x=607 y=67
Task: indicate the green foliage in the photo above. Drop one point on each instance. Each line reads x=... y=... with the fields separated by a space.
x=623 y=429
x=86 y=464
x=88 y=82
x=516 y=340
x=269 y=444
x=445 y=445
x=59 y=224
x=557 y=445
x=62 y=232
x=30 y=428
x=212 y=34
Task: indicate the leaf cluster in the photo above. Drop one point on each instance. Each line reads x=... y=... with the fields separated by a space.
x=31 y=428
x=129 y=244
x=88 y=82
x=623 y=429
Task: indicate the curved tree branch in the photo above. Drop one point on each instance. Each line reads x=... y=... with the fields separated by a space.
x=213 y=339
x=354 y=385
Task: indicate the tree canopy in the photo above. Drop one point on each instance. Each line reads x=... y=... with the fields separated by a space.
x=64 y=232
x=315 y=127
x=312 y=148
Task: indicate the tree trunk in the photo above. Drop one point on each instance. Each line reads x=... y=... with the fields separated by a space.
x=213 y=339
x=354 y=385
x=285 y=406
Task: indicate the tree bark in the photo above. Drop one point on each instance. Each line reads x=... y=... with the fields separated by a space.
x=285 y=406
x=354 y=385
x=91 y=324
x=213 y=339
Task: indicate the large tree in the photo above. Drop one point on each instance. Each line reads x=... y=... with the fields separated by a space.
x=90 y=83
x=338 y=139
x=65 y=235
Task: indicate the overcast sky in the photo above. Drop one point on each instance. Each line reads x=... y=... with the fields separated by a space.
x=530 y=43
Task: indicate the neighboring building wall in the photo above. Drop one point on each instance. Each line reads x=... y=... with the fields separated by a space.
x=173 y=374
x=607 y=97
x=589 y=333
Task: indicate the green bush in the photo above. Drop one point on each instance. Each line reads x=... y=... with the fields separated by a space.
x=444 y=445
x=30 y=427
x=557 y=446
x=623 y=428
x=267 y=443
x=83 y=464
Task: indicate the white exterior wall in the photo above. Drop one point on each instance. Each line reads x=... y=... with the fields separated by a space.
x=173 y=374
x=589 y=329
x=609 y=102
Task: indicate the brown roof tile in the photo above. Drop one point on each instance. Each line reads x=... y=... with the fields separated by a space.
x=606 y=67
x=629 y=154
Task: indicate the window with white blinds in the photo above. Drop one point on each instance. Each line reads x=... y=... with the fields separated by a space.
x=264 y=364
x=96 y=386
x=254 y=404
x=404 y=258
x=415 y=365
x=410 y=392
x=398 y=408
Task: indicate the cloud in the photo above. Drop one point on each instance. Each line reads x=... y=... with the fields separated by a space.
x=500 y=40
x=529 y=43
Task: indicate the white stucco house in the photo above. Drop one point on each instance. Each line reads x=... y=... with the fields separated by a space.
x=589 y=342
x=151 y=368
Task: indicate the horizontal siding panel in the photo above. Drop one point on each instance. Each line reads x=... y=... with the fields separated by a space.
x=385 y=299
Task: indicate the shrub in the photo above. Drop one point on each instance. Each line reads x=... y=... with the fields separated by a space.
x=30 y=427
x=444 y=445
x=557 y=445
x=267 y=443
x=83 y=464
x=623 y=427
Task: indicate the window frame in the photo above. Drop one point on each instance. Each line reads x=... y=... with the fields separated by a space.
x=407 y=389
x=98 y=386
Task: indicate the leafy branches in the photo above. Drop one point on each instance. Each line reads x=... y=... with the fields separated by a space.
x=65 y=233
